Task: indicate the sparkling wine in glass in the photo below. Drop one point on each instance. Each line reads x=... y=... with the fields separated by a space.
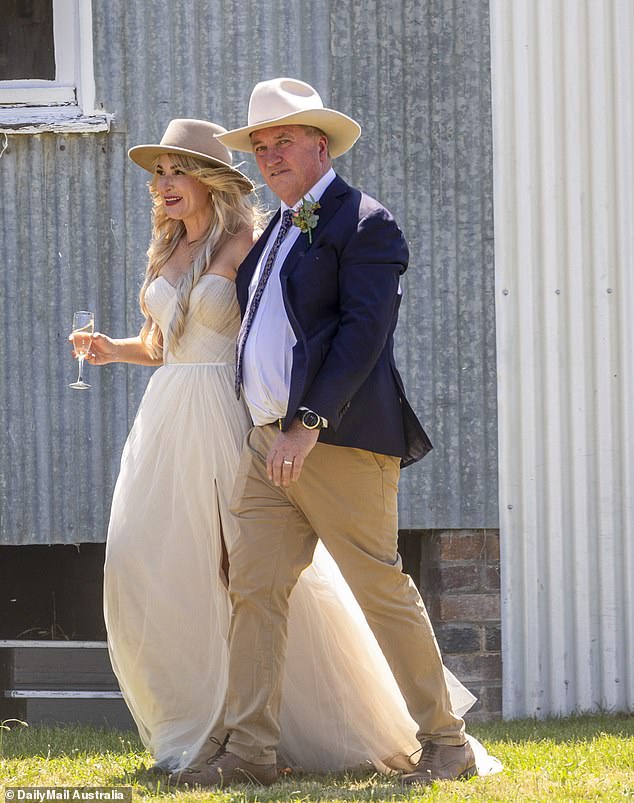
x=83 y=329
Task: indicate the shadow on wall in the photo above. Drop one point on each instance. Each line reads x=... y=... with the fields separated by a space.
x=52 y=592
x=55 y=592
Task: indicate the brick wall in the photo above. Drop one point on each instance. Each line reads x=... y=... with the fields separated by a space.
x=459 y=579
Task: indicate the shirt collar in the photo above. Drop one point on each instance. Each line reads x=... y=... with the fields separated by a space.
x=316 y=191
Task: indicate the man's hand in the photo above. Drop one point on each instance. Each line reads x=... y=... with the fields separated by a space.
x=289 y=450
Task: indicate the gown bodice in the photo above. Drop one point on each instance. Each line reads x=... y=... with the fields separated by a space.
x=212 y=322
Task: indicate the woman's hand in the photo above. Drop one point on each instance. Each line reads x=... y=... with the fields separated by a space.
x=103 y=349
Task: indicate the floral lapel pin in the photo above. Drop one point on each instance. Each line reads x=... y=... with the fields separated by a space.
x=305 y=218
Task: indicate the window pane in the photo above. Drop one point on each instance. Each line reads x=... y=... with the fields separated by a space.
x=26 y=40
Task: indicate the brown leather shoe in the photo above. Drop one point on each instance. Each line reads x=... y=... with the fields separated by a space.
x=210 y=750
x=226 y=769
x=442 y=762
x=158 y=769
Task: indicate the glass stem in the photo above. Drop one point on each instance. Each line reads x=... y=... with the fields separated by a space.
x=80 y=378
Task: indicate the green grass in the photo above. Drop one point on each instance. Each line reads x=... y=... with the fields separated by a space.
x=580 y=758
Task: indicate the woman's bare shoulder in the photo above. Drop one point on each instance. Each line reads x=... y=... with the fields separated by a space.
x=242 y=242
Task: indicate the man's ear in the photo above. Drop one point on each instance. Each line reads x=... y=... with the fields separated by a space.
x=323 y=148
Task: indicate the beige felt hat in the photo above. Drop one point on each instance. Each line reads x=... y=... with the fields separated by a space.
x=191 y=138
x=286 y=100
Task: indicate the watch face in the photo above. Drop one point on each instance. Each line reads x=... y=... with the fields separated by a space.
x=310 y=420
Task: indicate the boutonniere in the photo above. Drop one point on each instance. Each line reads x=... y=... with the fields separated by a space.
x=305 y=218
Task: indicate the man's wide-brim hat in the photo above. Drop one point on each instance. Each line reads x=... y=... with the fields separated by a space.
x=286 y=101
x=190 y=137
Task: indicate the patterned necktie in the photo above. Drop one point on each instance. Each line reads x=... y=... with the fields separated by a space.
x=287 y=222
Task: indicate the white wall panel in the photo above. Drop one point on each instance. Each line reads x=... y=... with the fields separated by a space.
x=563 y=124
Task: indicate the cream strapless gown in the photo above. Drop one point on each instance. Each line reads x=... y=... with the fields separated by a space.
x=166 y=603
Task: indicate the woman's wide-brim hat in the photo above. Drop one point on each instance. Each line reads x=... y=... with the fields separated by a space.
x=283 y=101
x=191 y=138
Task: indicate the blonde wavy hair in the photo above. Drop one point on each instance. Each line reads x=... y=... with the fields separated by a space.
x=232 y=210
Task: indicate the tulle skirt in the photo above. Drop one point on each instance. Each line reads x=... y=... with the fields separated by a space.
x=167 y=608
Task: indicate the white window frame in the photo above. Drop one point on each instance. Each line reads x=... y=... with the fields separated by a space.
x=68 y=102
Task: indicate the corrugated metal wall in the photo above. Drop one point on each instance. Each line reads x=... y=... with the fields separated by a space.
x=75 y=224
x=563 y=110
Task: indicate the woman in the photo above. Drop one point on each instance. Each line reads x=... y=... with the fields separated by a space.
x=166 y=602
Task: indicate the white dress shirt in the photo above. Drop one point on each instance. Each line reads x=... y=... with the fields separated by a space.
x=268 y=352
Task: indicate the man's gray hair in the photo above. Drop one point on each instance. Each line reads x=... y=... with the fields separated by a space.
x=317 y=132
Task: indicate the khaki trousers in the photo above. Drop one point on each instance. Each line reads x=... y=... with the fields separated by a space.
x=347 y=498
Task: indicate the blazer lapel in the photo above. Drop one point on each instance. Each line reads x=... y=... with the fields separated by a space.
x=329 y=203
x=247 y=268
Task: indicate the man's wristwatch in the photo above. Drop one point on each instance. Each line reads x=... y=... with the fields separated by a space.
x=311 y=420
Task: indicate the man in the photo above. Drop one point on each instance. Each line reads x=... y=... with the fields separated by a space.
x=331 y=428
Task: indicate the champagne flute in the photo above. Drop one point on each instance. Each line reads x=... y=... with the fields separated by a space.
x=83 y=330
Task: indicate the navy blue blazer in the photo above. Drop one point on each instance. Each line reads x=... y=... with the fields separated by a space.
x=341 y=297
